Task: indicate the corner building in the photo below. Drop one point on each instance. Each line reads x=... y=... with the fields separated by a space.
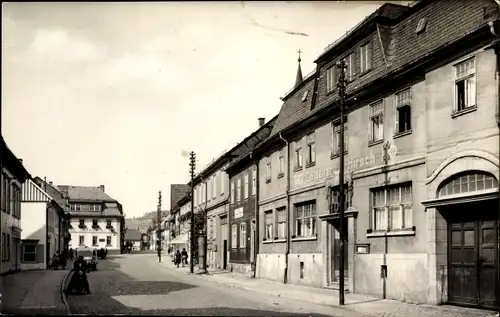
x=421 y=161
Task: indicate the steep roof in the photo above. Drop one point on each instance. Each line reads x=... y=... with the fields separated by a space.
x=177 y=191
x=12 y=163
x=84 y=193
x=52 y=191
x=132 y=235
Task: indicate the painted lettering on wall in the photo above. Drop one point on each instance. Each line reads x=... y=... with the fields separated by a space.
x=315 y=175
x=238 y=213
x=357 y=163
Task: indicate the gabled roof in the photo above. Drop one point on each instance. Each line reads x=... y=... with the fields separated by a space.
x=12 y=163
x=84 y=193
x=31 y=192
x=52 y=191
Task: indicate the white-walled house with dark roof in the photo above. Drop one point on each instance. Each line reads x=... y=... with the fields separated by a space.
x=96 y=219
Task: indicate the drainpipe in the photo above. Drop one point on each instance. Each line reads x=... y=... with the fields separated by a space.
x=257 y=220
x=288 y=231
x=497 y=74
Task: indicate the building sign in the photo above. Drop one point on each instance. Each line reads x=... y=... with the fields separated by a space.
x=238 y=213
x=358 y=163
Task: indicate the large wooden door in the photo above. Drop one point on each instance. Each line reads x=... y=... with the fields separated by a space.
x=473 y=257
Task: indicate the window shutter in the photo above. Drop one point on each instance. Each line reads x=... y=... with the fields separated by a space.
x=369 y=55
x=471 y=91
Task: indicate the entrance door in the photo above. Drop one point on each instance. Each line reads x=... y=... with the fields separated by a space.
x=224 y=256
x=336 y=253
x=473 y=255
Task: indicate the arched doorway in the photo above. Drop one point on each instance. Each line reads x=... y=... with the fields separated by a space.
x=471 y=213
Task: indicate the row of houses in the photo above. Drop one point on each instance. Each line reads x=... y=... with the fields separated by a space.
x=421 y=164
x=39 y=218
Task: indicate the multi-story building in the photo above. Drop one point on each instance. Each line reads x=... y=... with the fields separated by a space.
x=44 y=225
x=421 y=153
x=180 y=225
x=12 y=177
x=243 y=202
x=96 y=218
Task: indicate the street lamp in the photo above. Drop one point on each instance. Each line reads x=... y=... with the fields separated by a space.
x=192 y=168
x=158 y=223
x=341 y=85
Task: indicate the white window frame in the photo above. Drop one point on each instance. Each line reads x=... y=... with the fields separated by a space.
x=331 y=82
x=299 y=156
x=243 y=235
x=254 y=181
x=311 y=148
x=281 y=164
x=402 y=207
x=465 y=71
x=245 y=186
x=80 y=240
x=281 y=222
x=269 y=225
x=335 y=143
x=232 y=191
x=365 y=57
x=96 y=240
x=214 y=186
x=238 y=189
x=402 y=100
x=351 y=64
x=222 y=182
x=110 y=240
x=24 y=252
x=376 y=115
x=234 y=236
x=305 y=213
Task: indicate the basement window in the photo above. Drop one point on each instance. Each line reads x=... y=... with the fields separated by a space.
x=421 y=26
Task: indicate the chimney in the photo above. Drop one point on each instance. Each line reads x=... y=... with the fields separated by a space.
x=262 y=121
x=101 y=187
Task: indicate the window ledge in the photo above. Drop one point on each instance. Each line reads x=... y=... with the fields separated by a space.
x=296 y=169
x=361 y=74
x=336 y=155
x=305 y=238
x=372 y=143
x=401 y=134
x=407 y=232
x=462 y=112
x=280 y=175
x=311 y=164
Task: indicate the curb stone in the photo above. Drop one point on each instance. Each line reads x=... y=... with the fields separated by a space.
x=63 y=294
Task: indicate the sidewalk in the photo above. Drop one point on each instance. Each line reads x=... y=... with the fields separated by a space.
x=34 y=292
x=366 y=305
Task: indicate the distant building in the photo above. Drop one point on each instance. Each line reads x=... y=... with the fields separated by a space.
x=133 y=238
x=13 y=175
x=96 y=219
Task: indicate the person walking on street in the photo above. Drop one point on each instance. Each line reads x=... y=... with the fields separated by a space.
x=178 y=258
x=184 y=256
x=64 y=259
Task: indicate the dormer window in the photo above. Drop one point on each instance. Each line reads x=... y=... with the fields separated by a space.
x=365 y=57
x=331 y=83
x=421 y=26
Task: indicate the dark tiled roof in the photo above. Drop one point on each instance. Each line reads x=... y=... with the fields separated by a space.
x=12 y=163
x=177 y=191
x=132 y=235
x=84 y=193
x=52 y=191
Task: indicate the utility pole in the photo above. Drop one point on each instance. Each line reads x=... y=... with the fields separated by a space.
x=341 y=85
x=192 y=168
x=158 y=223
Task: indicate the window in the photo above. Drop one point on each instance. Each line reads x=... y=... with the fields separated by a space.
x=4 y=248
x=336 y=138
x=245 y=186
x=243 y=235
x=214 y=186
x=238 y=189
x=81 y=224
x=108 y=240
x=12 y=198
x=468 y=182
x=7 y=202
x=81 y=240
x=465 y=85
x=108 y=224
x=94 y=240
x=311 y=149
x=203 y=188
x=232 y=192
x=335 y=199
x=298 y=156
x=403 y=111
x=281 y=164
x=94 y=223
x=365 y=57
x=268 y=171
x=254 y=181
x=350 y=62
x=377 y=121
x=305 y=219
x=234 y=236
x=210 y=229
x=4 y=191
x=209 y=188
x=331 y=82
x=269 y=225
x=392 y=208
x=29 y=253
x=281 y=215
x=8 y=247
x=214 y=229
x=222 y=182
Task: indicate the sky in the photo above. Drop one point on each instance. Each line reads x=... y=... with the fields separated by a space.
x=113 y=93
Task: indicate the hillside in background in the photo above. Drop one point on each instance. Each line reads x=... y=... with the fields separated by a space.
x=142 y=223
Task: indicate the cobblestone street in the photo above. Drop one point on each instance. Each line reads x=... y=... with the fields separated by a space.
x=138 y=285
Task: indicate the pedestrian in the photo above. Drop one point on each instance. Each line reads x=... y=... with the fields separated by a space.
x=105 y=252
x=71 y=253
x=178 y=258
x=94 y=253
x=63 y=259
x=76 y=253
x=184 y=256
